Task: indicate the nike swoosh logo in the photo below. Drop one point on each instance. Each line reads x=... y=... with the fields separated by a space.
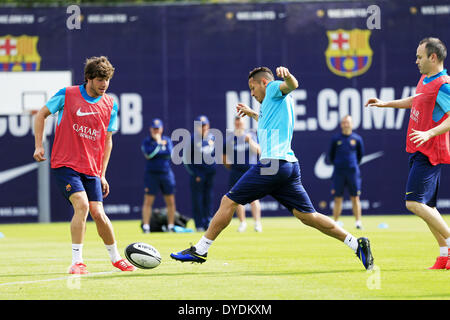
x=13 y=173
x=371 y=157
x=322 y=170
x=410 y=192
x=82 y=114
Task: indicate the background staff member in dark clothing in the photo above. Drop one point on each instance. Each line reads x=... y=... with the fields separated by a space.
x=346 y=152
x=158 y=174
x=201 y=172
x=240 y=151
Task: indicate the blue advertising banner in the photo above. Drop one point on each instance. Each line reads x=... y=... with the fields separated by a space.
x=175 y=62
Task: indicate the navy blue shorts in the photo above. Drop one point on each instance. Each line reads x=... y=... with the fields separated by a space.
x=349 y=178
x=235 y=175
x=156 y=181
x=285 y=186
x=423 y=180
x=70 y=181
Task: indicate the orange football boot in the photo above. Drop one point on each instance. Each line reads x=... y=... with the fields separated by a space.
x=441 y=263
x=78 y=268
x=124 y=265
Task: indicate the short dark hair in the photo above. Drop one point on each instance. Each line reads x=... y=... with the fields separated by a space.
x=434 y=45
x=260 y=72
x=98 y=67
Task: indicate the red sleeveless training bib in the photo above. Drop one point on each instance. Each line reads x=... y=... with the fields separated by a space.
x=80 y=137
x=437 y=149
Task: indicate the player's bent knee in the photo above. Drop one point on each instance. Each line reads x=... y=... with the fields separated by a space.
x=305 y=217
x=410 y=205
x=227 y=202
x=80 y=203
x=413 y=206
x=97 y=212
x=81 y=208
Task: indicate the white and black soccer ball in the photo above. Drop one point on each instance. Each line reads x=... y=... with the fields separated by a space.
x=142 y=255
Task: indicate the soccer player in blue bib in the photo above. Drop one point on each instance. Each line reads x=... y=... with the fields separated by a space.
x=278 y=172
x=346 y=152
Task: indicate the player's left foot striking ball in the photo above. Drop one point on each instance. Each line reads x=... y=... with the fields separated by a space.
x=364 y=253
x=189 y=255
x=441 y=263
x=124 y=265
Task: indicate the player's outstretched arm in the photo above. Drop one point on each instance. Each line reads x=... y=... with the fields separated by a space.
x=405 y=103
x=39 y=125
x=290 y=83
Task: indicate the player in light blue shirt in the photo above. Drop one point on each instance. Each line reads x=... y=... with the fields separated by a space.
x=282 y=181
x=276 y=124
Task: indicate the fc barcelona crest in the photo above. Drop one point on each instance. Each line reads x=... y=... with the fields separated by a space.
x=19 y=53
x=348 y=53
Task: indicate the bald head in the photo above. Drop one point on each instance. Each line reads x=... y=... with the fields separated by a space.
x=347 y=125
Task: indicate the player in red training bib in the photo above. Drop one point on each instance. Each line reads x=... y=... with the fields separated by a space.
x=427 y=140
x=87 y=117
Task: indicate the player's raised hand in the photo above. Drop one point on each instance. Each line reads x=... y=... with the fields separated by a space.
x=374 y=102
x=39 y=154
x=283 y=72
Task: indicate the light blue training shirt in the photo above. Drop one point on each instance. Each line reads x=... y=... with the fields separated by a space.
x=276 y=124
x=442 y=105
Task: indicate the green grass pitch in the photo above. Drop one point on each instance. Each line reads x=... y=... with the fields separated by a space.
x=287 y=261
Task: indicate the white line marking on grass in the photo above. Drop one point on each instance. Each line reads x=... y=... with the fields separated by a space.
x=57 y=259
x=60 y=278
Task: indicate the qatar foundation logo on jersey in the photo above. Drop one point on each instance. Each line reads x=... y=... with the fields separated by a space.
x=414 y=114
x=85 y=132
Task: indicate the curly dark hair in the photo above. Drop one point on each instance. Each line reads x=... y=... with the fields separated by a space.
x=98 y=67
